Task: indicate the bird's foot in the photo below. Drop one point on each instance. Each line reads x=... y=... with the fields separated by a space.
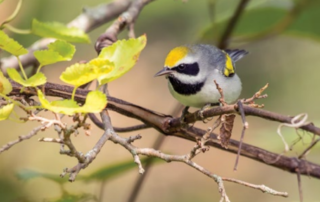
x=204 y=108
x=185 y=112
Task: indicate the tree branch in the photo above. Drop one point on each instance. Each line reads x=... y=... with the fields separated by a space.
x=90 y=19
x=127 y=18
x=172 y=126
x=231 y=25
x=20 y=139
x=98 y=123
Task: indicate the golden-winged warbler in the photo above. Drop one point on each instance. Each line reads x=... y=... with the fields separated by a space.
x=192 y=69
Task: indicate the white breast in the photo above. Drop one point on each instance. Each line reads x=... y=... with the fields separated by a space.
x=231 y=87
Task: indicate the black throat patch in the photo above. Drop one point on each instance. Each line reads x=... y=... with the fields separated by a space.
x=184 y=88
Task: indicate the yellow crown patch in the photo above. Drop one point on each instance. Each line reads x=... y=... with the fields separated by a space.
x=175 y=55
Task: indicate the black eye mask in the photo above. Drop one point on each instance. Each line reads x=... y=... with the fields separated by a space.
x=188 y=69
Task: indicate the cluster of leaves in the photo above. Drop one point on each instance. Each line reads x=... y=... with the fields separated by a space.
x=112 y=62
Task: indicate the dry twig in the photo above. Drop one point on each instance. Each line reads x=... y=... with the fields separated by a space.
x=21 y=138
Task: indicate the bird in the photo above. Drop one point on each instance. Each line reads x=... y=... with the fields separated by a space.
x=192 y=69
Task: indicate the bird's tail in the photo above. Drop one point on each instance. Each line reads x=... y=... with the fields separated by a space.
x=236 y=54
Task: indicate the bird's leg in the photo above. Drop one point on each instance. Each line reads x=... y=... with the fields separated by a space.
x=206 y=106
x=185 y=112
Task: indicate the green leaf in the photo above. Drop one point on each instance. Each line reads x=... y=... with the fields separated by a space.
x=46 y=57
x=36 y=80
x=59 y=31
x=10 y=45
x=57 y=51
x=104 y=66
x=95 y=102
x=79 y=74
x=60 y=106
x=251 y=22
x=5 y=85
x=111 y=171
x=27 y=174
x=124 y=54
x=65 y=49
x=5 y=111
x=305 y=25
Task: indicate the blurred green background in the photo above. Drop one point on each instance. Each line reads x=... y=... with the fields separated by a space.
x=289 y=62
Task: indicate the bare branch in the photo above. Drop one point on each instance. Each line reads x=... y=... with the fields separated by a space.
x=313 y=143
x=127 y=18
x=299 y=186
x=262 y=188
x=172 y=126
x=91 y=155
x=21 y=138
x=49 y=139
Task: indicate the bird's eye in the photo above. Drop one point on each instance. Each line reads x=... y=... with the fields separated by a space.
x=181 y=67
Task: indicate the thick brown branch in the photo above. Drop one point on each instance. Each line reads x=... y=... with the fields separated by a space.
x=272 y=116
x=276 y=160
x=171 y=126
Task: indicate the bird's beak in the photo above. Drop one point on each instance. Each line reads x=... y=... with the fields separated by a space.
x=164 y=71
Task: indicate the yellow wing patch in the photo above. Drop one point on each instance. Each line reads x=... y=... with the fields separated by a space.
x=229 y=69
x=175 y=55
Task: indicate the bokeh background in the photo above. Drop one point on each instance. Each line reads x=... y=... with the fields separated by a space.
x=289 y=62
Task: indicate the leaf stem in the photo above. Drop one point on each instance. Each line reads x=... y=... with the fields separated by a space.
x=14 y=14
x=21 y=68
x=74 y=92
x=17 y=30
x=38 y=70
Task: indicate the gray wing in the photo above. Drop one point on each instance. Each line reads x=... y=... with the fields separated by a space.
x=236 y=54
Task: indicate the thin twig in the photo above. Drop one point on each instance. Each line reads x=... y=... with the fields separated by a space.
x=90 y=155
x=299 y=186
x=262 y=188
x=156 y=153
x=244 y=127
x=148 y=164
x=49 y=139
x=279 y=27
x=21 y=138
x=90 y=19
x=313 y=143
x=127 y=18
x=169 y=126
x=98 y=123
x=184 y=159
x=231 y=25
